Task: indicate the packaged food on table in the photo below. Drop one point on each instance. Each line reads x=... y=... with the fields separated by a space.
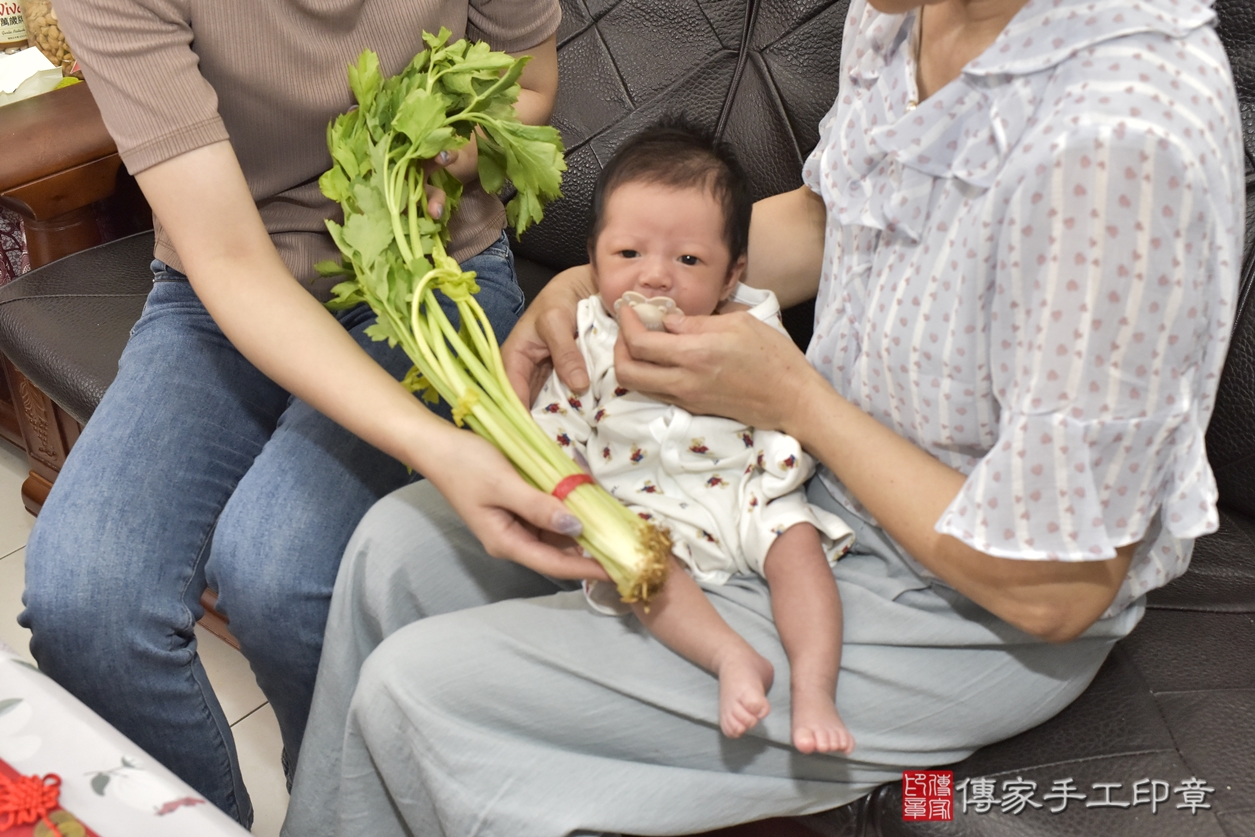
x=12 y=26
x=44 y=32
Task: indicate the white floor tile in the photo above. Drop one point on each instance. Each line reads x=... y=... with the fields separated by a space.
x=260 y=747
x=14 y=460
x=15 y=520
x=12 y=582
x=230 y=674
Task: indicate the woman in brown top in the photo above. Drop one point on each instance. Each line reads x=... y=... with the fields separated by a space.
x=248 y=429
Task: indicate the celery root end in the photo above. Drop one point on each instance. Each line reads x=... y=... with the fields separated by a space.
x=652 y=574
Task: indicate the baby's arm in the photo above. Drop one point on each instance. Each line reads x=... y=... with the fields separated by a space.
x=807 y=612
x=684 y=620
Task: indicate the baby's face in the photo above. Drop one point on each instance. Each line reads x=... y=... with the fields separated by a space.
x=661 y=241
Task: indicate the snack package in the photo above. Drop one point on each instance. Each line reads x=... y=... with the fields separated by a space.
x=44 y=33
x=12 y=26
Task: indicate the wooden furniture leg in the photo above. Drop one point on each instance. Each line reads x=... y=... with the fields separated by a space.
x=215 y=622
x=48 y=432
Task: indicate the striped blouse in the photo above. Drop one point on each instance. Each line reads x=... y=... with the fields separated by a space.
x=1032 y=274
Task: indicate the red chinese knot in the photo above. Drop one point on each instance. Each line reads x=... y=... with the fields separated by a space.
x=26 y=799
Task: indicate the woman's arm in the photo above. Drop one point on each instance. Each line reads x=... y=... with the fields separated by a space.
x=206 y=208
x=715 y=366
x=786 y=245
x=907 y=490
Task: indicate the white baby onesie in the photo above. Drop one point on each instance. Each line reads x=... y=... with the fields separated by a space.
x=725 y=490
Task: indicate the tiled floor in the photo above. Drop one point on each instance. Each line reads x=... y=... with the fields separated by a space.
x=253 y=722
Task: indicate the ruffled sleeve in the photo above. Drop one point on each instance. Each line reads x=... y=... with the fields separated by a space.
x=1107 y=314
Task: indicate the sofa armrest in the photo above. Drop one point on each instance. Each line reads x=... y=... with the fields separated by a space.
x=66 y=163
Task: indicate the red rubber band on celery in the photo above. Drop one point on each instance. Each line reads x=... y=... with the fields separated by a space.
x=568 y=484
x=29 y=799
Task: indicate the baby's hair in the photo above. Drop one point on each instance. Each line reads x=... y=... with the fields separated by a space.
x=676 y=153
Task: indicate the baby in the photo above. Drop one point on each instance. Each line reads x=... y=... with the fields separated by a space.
x=670 y=228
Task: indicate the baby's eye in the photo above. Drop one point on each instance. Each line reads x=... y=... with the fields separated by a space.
x=628 y=254
x=689 y=260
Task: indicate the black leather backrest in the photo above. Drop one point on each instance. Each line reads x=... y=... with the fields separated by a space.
x=1236 y=28
x=1231 y=436
x=759 y=72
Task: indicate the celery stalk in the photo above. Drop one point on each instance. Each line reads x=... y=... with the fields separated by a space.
x=393 y=258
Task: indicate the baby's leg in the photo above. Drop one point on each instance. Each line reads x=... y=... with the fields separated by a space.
x=807 y=610
x=685 y=621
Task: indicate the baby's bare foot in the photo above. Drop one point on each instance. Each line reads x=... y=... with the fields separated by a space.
x=817 y=728
x=744 y=678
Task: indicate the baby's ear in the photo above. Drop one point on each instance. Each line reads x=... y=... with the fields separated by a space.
x=736 y=272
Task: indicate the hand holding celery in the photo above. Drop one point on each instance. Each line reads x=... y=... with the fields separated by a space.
x=394 y=259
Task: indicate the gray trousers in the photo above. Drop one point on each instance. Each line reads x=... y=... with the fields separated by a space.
x=461 y=695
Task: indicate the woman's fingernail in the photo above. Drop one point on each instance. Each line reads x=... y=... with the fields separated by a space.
x=567 y=524
x=438 y=211
x=443 y=156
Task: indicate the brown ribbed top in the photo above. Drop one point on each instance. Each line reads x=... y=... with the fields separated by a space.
x=171 y=76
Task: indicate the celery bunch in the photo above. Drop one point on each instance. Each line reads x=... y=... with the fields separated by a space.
x=393 y=255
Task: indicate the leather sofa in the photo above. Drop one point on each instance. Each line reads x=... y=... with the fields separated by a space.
x=1176 y=699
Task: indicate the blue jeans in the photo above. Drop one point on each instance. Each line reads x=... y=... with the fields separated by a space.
x=195 y=469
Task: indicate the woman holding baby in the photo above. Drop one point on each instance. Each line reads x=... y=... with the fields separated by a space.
x=1024 y=283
